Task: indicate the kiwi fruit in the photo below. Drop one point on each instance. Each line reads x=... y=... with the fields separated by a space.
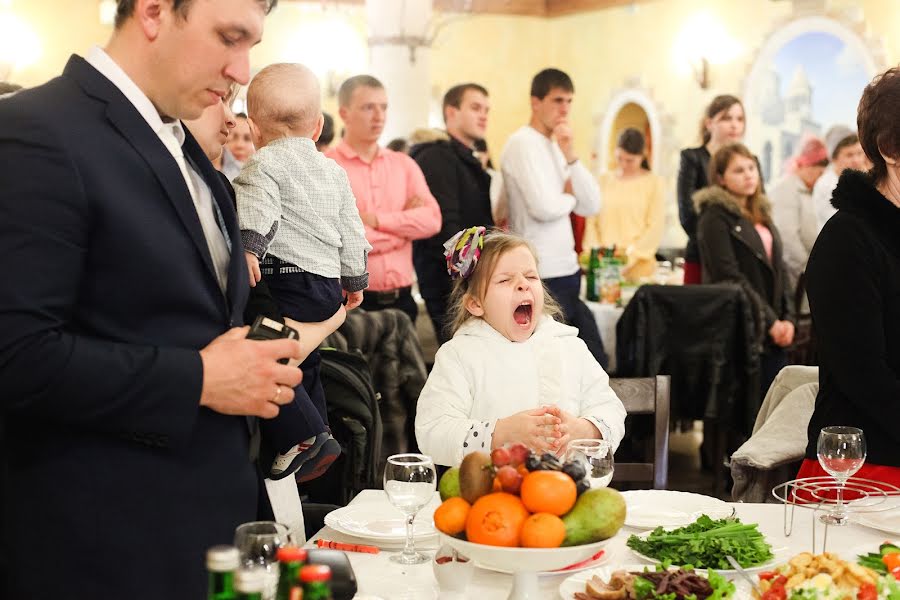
x=476 y=476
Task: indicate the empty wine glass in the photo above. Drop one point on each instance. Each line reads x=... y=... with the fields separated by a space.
x=597 y=458
x=257 y=542
x=841 y=452
x=409 y=481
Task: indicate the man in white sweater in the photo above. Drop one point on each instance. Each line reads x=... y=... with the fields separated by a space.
x=545 y=182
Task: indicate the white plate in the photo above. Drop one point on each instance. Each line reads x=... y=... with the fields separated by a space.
x=592 y=565
x=648 y=509
x=763 y=567
x=381 y=522
x=887 y=520
x=576 y=583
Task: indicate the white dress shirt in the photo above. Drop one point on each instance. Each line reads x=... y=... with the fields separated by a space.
x=534 y=175
x=822 y=195
x=171 y=134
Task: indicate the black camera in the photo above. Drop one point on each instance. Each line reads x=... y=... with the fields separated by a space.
x=264 y=328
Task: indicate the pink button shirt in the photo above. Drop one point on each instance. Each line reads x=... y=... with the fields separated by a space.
x=383 y=187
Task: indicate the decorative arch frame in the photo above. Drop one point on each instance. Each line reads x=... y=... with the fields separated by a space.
x=851 y=33
x=643 y=98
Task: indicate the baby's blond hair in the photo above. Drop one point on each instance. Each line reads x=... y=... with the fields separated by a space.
x=496 y=244
x=284 y=100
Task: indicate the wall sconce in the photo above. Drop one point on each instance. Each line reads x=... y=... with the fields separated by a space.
x=412 y=42
x=701 y=72
x=331 y=47
x=107 y=10
x=703 y=41
x=19 y=45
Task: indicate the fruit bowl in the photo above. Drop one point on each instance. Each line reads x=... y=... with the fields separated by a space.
x=525 y=563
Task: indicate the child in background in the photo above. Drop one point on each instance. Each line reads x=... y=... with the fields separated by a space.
x=511 y=373
x=302 y=235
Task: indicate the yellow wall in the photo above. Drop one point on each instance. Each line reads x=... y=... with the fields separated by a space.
x=603 y=51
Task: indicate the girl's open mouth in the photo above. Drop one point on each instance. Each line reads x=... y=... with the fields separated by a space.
x=522 y=314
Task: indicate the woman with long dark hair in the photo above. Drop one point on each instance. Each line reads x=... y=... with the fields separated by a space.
x=853 y=277
x=740 y=244
x=723 y=123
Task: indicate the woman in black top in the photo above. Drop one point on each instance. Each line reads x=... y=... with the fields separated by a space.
x=723 y=123
x=854 y=294
x=739 y=244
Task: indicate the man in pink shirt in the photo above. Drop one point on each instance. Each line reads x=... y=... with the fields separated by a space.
x=391 y=195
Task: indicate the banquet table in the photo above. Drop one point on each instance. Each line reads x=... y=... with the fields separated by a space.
x=378 y=577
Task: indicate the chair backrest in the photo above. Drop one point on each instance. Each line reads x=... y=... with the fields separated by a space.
x=646 y=395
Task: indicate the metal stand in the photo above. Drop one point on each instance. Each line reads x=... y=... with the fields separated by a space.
x=818 y=494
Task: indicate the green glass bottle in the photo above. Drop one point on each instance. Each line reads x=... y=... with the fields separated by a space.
x=593 y=276
x=221 y=562
x=316 y=582
x=290 y=560
x=250 y=583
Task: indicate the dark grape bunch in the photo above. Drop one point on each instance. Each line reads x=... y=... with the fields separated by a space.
x=549 y=462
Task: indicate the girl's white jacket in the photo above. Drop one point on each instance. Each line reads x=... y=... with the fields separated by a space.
x=479 y=376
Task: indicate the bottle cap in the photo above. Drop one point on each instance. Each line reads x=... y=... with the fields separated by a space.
x=250 y=580
x=222 y=558
x=290 y=554
x=311 y=573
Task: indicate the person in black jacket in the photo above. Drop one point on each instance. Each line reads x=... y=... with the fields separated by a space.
x=723 y=123
x=739 y=243
x=854 y=294
x=461 y=185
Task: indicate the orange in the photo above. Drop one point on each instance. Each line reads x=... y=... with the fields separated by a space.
x=496 y=520
x=548 y=491
x=543 y=530
x=450 y=516
x=497 y=487
x=523 y=471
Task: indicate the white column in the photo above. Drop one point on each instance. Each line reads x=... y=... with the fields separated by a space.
x=399 y=56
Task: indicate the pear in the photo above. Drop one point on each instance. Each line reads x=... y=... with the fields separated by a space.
x=449 y=484
x=476 y=476
x=597 y=515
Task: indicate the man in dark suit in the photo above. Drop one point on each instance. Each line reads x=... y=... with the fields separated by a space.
x=126 y=381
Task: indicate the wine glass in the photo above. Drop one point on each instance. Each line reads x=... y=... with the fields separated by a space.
x=409 y=481
x=841 y=451
x=597 y=458
x=257 y=543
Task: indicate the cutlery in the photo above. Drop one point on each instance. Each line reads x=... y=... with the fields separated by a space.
x=737 y=567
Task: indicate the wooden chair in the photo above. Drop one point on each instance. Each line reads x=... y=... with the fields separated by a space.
x=646 y=395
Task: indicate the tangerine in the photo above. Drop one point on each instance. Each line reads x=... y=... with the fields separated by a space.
x=450 y=516
x=543 y=530
x=496 y=520
x=551 y=492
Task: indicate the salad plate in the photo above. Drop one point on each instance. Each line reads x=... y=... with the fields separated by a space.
x=577 y=582
x=699 y=545
x=648 y=509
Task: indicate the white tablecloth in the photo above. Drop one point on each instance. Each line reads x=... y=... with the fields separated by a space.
x=378 y=577
x=606 y=316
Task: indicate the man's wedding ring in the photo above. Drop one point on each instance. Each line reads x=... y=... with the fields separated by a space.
x=277 y=393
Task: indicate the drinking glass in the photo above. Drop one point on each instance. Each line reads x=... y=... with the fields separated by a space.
x=409 y=481
x=597 y=458
x=257 y=542
x=841 y=451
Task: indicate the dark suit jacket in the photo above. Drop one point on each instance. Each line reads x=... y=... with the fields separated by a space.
x=462 y=188
x=693 y=175
x=115 y=480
